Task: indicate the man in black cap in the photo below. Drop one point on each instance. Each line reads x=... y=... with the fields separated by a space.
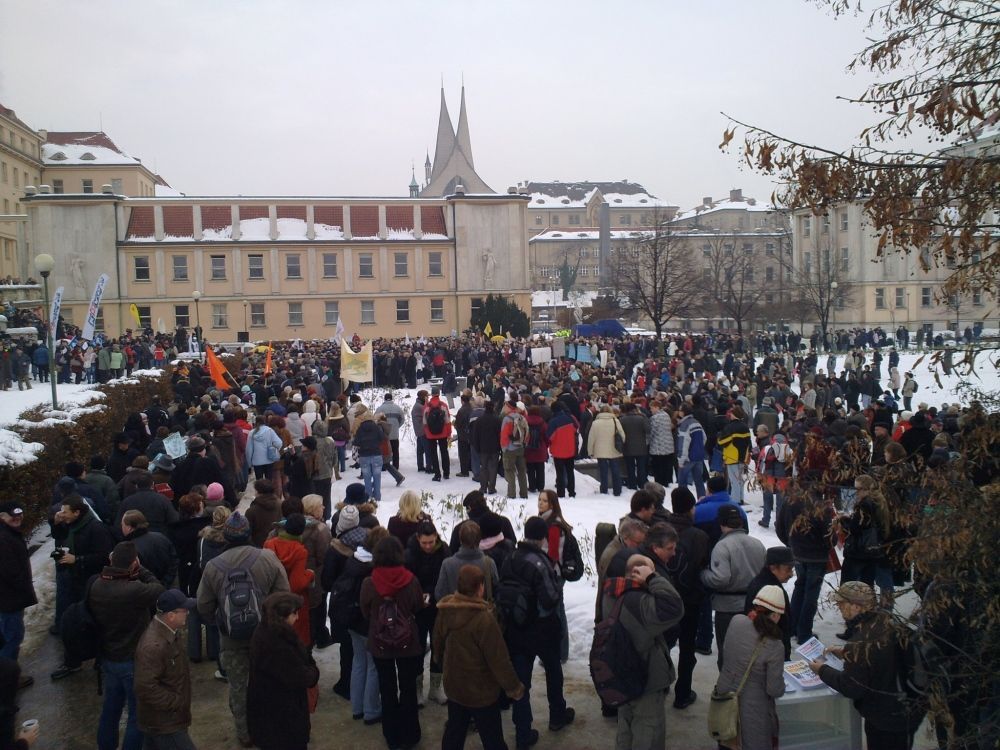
x=163 y=676
x=17 y=592
x=120 y=601
x=779 y=566
x=539 y=632
x=122 y=456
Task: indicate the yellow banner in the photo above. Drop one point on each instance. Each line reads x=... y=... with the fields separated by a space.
x=134 y=310
x=356 y=366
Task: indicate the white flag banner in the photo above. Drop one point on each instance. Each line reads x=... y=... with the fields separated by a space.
x=90 y=323
x=54 y=312
x=340 y=327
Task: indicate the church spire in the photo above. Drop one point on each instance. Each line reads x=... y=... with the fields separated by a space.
x=414 y=187
x=427 y=168
x=464 y=140
x=445 y=138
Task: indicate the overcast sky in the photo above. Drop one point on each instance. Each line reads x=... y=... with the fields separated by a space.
x=324 y=98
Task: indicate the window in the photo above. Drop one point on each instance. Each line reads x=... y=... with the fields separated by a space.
x=748 y=248
x=706 y=274
x=255 y=267
x=925 y=296
x=806 y=225
x=57 y=186
x=367 y=312
x=769 y=273
x=294 y=313
x=843 y=221
x=748 y=275
x=116 y=186
x=434 y=267
x=879 y=298
x=584 y=271
x=555 y=220
x=769 y=298
x=366 y=266
x=257 y=318
x=706 y=250
x=596 y=270
x=476 y=305
x=220 y=315
x=900 y=297
x=88 y=186
x=845 y=259
x=3 y=171
x=180 y=267
x=219 y=267
x=142 y=268
x=6 y=206
x=293 y=266
x=331 y=311
x=402 y=311
x=538 y=221
x=977 y=297
x=574 y=219
x=625 y=220
x=788 y=273
x=437 y=311
x=769 y=249
x=145 y=316
x=182 y=316
x=400 y=264
x=728 y=251
x=330 y=265
x=826 y=223
x=807 y=261
x=99 y=323
x=17 y=180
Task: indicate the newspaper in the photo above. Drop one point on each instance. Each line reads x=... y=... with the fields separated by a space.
x=802 y=675
x=814 y=650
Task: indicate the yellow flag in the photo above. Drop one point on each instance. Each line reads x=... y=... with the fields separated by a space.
x=135 y=315
x=356 y=366
x=488 y=330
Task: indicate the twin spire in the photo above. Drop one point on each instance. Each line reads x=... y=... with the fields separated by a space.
x=453 y=162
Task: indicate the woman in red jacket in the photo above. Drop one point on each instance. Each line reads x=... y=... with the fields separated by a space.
x=292 y=554
x=536 y=449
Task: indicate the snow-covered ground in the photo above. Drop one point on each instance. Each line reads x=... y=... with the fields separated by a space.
x=443 y=501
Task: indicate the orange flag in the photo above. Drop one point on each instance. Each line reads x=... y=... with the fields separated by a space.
x=267 y=361
x=216 y=369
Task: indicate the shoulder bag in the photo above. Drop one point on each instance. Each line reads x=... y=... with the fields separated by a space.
x=724 y=708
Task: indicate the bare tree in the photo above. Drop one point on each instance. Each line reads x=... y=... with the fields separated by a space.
x=568 y=269
x=655 y=276
x=732 y=278
x=821 y=283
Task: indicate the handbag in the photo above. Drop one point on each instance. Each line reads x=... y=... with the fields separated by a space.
x=619 y=440
x=272 y=454
x=724 y=708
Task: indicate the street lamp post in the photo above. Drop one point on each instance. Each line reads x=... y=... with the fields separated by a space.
x=44 y=264
x=833 y=314
x=246 y=329
x=196 y=295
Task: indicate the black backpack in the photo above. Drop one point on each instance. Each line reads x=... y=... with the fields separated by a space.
x=240 y=603
x=81 y=635
x=436 y=420
x=515 y=599
x=618 y=670
x=534 y=436
x=393 y=631
x=572 y=564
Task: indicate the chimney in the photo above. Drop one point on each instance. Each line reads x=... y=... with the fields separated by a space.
x=604 y=219
x=707 y=201
x=511 y=190
x=107 y=190
x=30 y=190
x=460 y=189
x=736 y=196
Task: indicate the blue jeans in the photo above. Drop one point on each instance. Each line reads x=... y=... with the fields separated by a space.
x=693 y=471
x=365 y=696
x=342 y=457
x=422 y=462
x=548 y=654
x=773 y=500
x=118 y=689
x=371 y=472
x=715 y=461
x=12 y=632
x=872 y=572
x=734 y=472
x=805 y=597
x=605 y=465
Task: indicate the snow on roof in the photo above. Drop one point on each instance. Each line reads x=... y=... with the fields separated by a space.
x=165 y=191
x=558 y=194
x=747 y=204
x=555 y=235
x=73 y=148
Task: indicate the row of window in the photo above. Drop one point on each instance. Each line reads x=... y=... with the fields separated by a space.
x=257 y=315
x=27 y=147
x=8 y=173
x=293 y=266
x=825 y=223
x=844 y=260
x=553 y=271
x=900 y=295
x=749 y=274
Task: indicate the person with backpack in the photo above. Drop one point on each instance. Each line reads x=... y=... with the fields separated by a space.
x=772 y=471
x=873 y=667
x=263 y=449
x=562 y=436
x=390 y=598
x=528 y=598
x=120 y=601
x=536 y=449
x=477 y=666
x=513 y=437
x=630 y=655
x=211 y=543
x=564 y=551
x=437 y=431
x=232 y=588
x=605 y=443
x=367 y=438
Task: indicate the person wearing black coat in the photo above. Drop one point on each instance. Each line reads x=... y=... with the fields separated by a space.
x=778 y=568
x=810 y=542
x=917 y=440
x=17 y=592
x=121 y=457
x=485 y=439
x=423 y=556
x=281 y=672
x=157 y=509
x=156 y=552
x=478 y=510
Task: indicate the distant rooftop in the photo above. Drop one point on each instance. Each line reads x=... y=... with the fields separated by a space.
x=622 y=194
x=76 y=148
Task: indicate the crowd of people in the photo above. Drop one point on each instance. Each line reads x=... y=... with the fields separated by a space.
x=152 y=541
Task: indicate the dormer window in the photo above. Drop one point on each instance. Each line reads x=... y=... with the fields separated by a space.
x=643 y=200
x=58 y=156
x=618 y=200
x=87 y=156
x=565 y=201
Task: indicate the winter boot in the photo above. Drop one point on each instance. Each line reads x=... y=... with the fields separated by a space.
x=436 y=693
x=420 y=690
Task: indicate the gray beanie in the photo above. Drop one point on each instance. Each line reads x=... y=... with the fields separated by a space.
x=349 y=518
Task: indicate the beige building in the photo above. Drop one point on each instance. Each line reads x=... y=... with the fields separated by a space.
x=887 y=291
x=82 y=162
x=20 y=165
x=568 y=206
x=284 y=268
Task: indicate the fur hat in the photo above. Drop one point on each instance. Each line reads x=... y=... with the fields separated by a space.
x=355 y=494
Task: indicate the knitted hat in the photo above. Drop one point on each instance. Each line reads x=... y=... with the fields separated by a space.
x=295 y=524
x=490 y=525
x=348 y=519
x=237 y=528
x=535 y=529
x=772 y=598
x=355 y=494
x=214 y=492
x=778 y=556
x=855 y=592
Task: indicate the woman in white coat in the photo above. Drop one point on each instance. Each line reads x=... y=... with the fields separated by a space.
x=601 y=445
